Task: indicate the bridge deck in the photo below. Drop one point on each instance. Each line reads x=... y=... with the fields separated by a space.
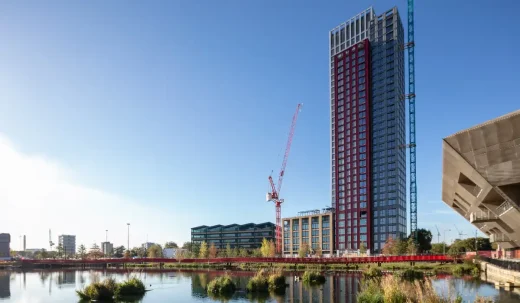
x=350 y=260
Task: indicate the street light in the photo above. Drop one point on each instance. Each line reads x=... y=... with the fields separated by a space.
x=444 y=246
x=106 y=235
x=128 y=243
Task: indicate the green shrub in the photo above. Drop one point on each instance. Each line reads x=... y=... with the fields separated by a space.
x=99 y=291
x=475 y=272
x=372 y=273
x=371 y=292
x=258 y=283
x=411 y=274
x=276 y=282
x=221 y=286
x=313 y=277
x=458 y=270
x=131 y=287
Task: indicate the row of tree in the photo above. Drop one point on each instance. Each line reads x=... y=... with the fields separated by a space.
x=462 y=246
x=95 y=252
x=409 y=245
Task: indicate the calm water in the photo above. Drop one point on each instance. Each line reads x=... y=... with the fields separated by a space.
x=175 y=286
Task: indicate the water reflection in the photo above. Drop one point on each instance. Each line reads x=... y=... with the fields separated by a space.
x=190 y=286
x=5 y=282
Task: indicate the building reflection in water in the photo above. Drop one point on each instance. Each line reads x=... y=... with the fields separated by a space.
x=5 y=280
x=66 y=278
x=341 y=288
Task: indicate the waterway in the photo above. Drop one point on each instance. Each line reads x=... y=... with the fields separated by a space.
x=42 y=286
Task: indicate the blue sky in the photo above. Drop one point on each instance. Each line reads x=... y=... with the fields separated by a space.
x=172 y=114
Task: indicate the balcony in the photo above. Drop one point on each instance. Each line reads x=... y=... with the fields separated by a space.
x=499 y=238
x=504 y=207
x=482 y=217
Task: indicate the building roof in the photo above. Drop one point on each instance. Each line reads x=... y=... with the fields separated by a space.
x=234 y=224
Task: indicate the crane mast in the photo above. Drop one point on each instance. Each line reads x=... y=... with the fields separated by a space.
x=274 y=195
x=411 y=116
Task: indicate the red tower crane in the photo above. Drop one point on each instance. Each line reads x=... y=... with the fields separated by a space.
x=274 y=195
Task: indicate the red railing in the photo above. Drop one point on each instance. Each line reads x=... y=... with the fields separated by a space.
x=350 y=260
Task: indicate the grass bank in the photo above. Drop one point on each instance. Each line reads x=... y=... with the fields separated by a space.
x=426 y=267
x=392 y=289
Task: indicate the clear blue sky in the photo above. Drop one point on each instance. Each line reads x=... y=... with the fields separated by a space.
x=184 y=106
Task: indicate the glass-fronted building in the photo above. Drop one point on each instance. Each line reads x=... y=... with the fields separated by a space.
x=248 y=236
x=368 y=130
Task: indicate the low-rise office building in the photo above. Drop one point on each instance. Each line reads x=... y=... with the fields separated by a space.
x=481 y=177
x=68 y=242
x=248 y=236
x=5 y=250
x=314 y=228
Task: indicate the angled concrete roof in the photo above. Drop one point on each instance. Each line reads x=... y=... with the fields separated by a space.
x=481 y=177
x=492 y=148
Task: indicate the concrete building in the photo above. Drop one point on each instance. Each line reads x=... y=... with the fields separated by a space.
x=367 y=129
x=314 y=228
x=481 y=177
x=173 y=252
x=107 y=248
x=69 y=244
x=248 y=236
x=5 y=249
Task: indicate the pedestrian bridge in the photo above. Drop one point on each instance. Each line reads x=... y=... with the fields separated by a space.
x=350 y=260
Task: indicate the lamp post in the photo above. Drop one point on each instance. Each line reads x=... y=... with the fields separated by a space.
x=444 y=246
x=128 y=240
x=106 y=235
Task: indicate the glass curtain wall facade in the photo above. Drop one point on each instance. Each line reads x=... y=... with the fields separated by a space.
x=368 y=130
x=248 y=236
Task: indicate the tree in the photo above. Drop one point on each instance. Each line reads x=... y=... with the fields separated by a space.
x=389 y=247
x=119 y=251
x=318 y=252
x=140 y=252
x=195 y=249
x=264 y=249
x=257 y=252
x=171 y=245
x=60 y=250
x=229 y=251
x=127 y=254
x=95 y=252
x=155 y=251
x=304 y=250
x=235 y=252
x=203 y=252
x=181 y=254
x=242 y=252
x=424 y=239
x=82 y=251
x=400 y=247
x=272 y=249
x=411 y=248
x=362 y=248
x=455 y=249
x=187 y=246
x=213 y=251
x=438 y=248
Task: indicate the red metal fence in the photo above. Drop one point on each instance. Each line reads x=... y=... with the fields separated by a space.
x=351 y=260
